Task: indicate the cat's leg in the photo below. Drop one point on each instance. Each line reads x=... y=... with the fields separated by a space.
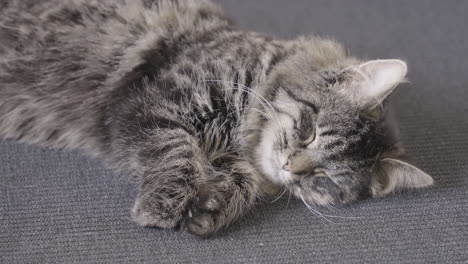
x=172 y=166
x=222 y=198
x=179 y=185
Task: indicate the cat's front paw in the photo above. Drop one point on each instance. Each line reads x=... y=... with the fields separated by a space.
x=162 y=207
x=146 y=214
x=216 y=206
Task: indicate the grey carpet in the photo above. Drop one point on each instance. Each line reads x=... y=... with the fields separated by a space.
x=60 y=207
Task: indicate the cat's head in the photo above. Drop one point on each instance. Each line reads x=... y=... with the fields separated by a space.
x=325 y=134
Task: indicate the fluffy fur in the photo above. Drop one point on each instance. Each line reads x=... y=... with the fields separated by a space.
x=203 y=114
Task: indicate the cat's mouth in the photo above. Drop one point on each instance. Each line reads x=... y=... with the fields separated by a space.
x=277 y=172
x=310 y=197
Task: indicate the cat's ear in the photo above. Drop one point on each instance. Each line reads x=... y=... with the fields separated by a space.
x=378 y=79
x=394 y=175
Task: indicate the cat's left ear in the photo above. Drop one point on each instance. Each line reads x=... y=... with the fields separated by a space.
x=378 y=79
x=394 y=175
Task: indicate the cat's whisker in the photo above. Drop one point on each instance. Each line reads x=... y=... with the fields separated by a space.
x=247 y=89
x=263 y=114
x=260 y=112
x=289 y=199
x=266 y=105
x=343 y=217
x=267 y=109
x=327 y=215
x=262 y=100
x=314 y=211
x=279 y=196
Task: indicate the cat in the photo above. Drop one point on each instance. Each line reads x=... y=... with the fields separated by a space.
x=207 y=117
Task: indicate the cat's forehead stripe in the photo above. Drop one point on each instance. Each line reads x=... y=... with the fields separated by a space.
x=302 y=101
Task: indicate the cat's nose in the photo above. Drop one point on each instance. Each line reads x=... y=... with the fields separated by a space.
x=299 y=162
x=286 y=166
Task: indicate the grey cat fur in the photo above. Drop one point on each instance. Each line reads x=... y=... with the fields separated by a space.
x=197 y=110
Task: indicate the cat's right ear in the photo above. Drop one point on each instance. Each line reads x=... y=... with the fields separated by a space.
x=374 y=80
x=395 y=175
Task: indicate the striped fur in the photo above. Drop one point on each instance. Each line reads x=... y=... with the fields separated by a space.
x=174 y=94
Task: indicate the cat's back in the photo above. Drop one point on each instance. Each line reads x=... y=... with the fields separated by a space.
x=28 y=25
x=104 y=29
x=62 y=59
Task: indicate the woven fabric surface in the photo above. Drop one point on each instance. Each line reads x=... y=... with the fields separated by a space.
x=61 y=207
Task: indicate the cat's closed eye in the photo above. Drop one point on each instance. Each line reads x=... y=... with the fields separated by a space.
x=319 y=172
x=310 y=140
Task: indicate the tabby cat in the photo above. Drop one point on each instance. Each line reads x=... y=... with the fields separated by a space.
x=207 y=117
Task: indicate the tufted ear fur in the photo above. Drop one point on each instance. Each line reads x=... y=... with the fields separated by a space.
x=394 y=175
x=378 y=79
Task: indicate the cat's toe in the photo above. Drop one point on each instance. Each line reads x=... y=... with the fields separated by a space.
x=201 y=224
x=210 y=199
x=203 y=217
x=208 y=212
x=147 y=213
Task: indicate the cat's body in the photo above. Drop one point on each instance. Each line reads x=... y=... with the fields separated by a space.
x=174 y=94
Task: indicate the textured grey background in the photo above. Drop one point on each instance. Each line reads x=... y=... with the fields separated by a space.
x=62 y=207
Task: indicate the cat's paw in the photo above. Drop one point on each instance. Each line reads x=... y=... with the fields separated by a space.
x=149 y=216
x=161 y=209
x=214 y=207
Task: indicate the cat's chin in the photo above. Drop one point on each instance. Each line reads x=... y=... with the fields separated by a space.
x=274 y=174
x=268 y=163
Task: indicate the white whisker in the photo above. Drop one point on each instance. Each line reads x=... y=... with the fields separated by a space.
x=279 y=196
x=316 y=212
x=289 y=199
x=326 y=215
x=268 y=107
